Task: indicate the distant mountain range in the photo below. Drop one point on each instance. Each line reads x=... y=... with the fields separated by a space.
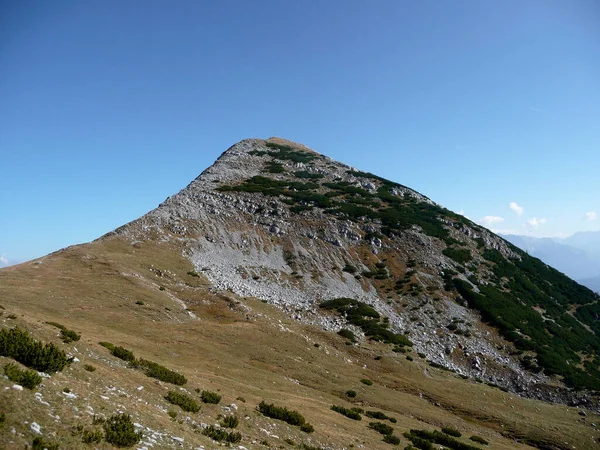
x=578 y=256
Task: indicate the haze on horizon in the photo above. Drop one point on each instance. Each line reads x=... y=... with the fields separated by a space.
x=490 y=109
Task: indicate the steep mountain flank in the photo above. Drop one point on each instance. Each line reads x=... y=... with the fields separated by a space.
x=277 y=221
x=280 y=298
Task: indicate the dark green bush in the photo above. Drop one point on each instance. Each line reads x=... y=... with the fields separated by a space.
x=65 y=334
x=479 y=440
x=307 y=427
x=107 y=345
x=230 y=422
x=210 y=397
x=350 y=413
x=280 y=413
x=120 y=432
x=366 y=381
x=123 y=353
x=220 y=435
x=381 y=427
x=2 y=418
x=40 y=444
x=25 y=377
x=420 y=438
x=348 y=334
x=350 y=269
x=460 y=255
x=19 y=345
x=192 y=273
x=89 y=368
x=184 y=401
x=451 y=431
x=391 y=439
x=379 y=415
x=351 y=393
x=367 y=319
x=161 y=373
x=91 y=436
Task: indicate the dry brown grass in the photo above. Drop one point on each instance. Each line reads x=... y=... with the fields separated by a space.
x=93 y=289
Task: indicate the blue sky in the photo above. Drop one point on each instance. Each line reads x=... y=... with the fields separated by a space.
x=108 y=107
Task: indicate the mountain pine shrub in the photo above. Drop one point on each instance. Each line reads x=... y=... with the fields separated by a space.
x=120 y=432
x=185 y=402
x=210 y=397
x=26 y=378
x=19 y=345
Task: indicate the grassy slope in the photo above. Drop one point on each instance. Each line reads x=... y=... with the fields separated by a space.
x=93 y=289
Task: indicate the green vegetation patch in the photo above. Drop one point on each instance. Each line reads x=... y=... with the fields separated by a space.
x=221 y=435
x=381 y=428
x=19 y=345
x=350 y=413
x=66 y=335
x=281 y=413
x=120 y=432
x=425 y=439
x=25 y=377
x=287 y=153
x=479 y=440
x=380 y=416
x=230 y=421
x=161 y=373
x=460 y=255
x=40 y=443
x=367 y=319
x=210 y=397
x=184 y=401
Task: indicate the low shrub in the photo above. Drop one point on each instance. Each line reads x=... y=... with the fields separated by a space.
x=350 y=413
x=107 y=345
x=120 y=432
x=40 y=444
x=380 y=416
x=123 y=353
x=307 y=427
x=479 y=440
x=351 y=393
x=2 y=418
x=230 y=422
x=366 y=381
x=210 y=397
x=19 y=345
x=348 y=334
x=451 y=431
x=65 y=334
x=25 y=377
x=281 y=413
x=391 y=439
x=381 y=428
x=89 y=368
x=220 y=435
x=185 y=402
x=161 y=373
x=423 y=439
x=191 y=273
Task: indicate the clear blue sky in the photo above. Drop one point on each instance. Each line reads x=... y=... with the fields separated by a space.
x=108 y=107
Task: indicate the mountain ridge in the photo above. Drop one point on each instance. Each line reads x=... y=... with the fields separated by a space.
x=281 y=273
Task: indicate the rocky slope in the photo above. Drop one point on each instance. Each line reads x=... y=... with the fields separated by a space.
x=277 y=221
x=282 y=276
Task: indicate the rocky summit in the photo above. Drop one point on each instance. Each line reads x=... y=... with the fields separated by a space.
x=281 y=298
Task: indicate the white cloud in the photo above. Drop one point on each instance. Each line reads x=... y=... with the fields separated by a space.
x=516 y=208
x=534 y=222
x=3 y=260
x=491 y=220
x=589 y=216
